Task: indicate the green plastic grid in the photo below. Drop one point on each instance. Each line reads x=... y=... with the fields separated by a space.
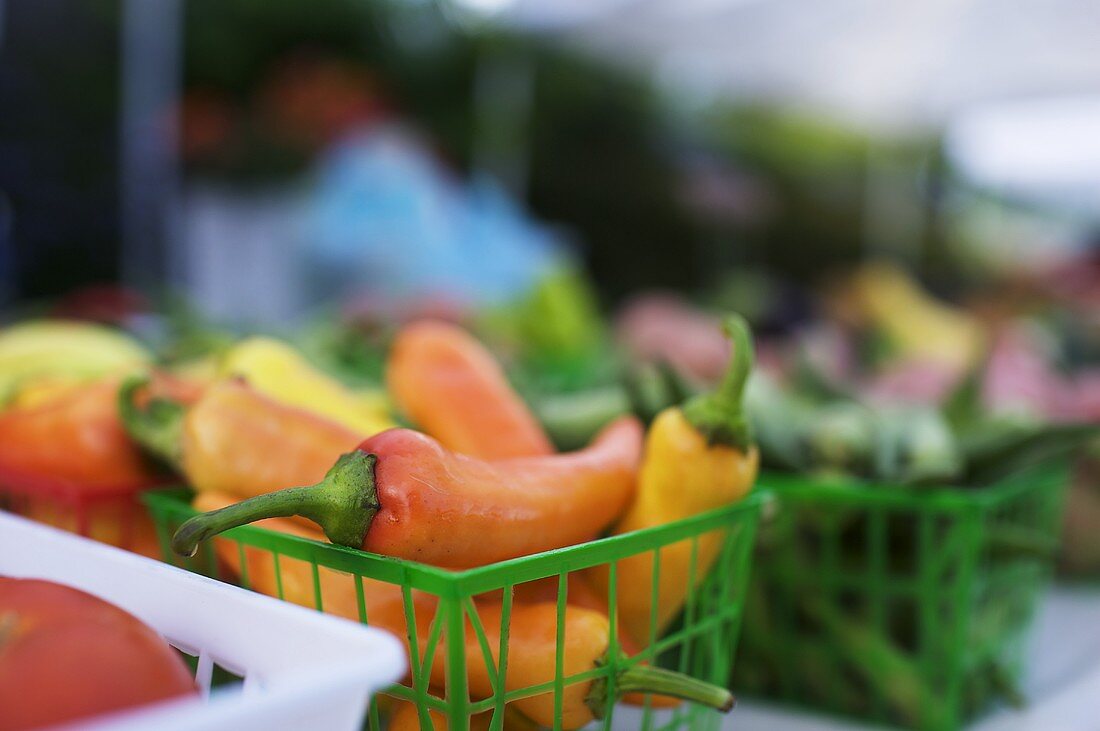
x=900 y=606
x=700 y=643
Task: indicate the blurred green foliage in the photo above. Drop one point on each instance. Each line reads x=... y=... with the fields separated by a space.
x=820 y=176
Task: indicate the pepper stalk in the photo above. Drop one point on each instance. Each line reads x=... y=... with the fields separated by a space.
x=719 y=415
x=344 y=504
x=158 y=426
x=652 y=680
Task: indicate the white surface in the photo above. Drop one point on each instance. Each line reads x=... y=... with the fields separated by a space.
x=1045 y=151
x=880 y=64
x=1062 y=685
x=302 y=669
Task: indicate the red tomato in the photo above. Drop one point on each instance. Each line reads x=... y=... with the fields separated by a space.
x=67 y=655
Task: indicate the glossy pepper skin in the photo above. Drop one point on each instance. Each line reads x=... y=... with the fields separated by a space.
x=453 y=389
x=697 y=458
x=235 y=440
x=402 y=494
x=66 y=452
x=73 y=437
x=406 y=717
x=66 y=655
x=532 y=656
x=581 y=593
x=280 y=372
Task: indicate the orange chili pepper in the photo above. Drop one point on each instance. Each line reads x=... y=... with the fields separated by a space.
x=532 y=657
x=75 y=438
x=402 y=494
x=406 y=717
x=581 y=593
x=70 y=459
x=450 y=386
x=235 y=440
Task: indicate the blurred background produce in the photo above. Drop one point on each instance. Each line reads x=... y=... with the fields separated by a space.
x=902 y=200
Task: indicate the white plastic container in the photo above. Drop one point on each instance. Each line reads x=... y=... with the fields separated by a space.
x=301 y=669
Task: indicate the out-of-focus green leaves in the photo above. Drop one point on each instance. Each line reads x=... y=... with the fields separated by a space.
x=811 y=427
x=999 y=449
x=915 y=446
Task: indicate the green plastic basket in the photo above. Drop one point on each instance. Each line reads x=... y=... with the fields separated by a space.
x=700 y=643
x=903 y=606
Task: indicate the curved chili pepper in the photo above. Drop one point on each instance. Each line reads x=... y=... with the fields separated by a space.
x=235 y=440
x=75 y=438
x=67 y=451
x=406 y=717
x=581 y=593
x=697 y=458
x=451 y=387
x=402 y=494
x=533 y=632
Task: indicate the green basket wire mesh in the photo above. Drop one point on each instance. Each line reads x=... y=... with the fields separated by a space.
x=902 y=606
x=342 y=581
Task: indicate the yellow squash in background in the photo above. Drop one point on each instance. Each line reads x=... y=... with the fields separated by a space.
x=281 y=373
x=917 y=324
x=57 y=352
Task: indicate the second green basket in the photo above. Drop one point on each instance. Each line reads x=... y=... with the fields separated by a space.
x=904 y=606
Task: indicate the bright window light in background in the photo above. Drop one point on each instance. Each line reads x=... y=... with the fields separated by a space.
x=1030 y=143
x=485 y=7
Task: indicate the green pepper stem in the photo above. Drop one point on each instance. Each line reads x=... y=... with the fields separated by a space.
x=659 y=681
x=158 y=427
x=344 y=504
x=719 y=415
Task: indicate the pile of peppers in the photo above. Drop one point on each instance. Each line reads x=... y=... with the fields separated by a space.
x=472 y=479
x=65 y=458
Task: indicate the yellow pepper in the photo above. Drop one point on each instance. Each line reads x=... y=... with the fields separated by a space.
x=916 y=323
x=63 y=351
x=698 y=457
x=280 y=372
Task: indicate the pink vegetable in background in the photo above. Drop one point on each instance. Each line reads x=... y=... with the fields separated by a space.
x=1020 y=378
x=665 y=328
x=913 y=382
